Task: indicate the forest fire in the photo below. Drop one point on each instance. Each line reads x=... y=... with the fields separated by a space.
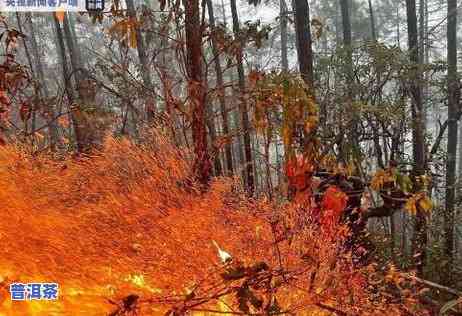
x=130 y=225
x=178 y=158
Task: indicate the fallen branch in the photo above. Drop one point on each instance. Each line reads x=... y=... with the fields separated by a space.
x=381 y=211
x=331 y=309
x=433 y=284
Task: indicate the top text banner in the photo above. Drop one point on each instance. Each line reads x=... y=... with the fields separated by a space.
x=42 y=5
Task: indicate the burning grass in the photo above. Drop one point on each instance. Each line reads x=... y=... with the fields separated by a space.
x=129 y=221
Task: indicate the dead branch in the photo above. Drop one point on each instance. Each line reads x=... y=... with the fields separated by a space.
x=433 y=284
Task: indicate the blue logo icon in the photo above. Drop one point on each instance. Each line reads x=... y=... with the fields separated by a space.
x=34 y=291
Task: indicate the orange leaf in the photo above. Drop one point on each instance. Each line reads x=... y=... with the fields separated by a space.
x=334 y=199
x=132 y=36
x=60 y=15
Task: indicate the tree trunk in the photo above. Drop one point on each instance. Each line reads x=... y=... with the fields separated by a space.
x=221 y=91
x=61 y=48
x=243 y=104
x=376 y=131
x=337 y=26
x=304 y=49
x=453 y=108
x=67 y=81
x=210 y=119
x=418 y=142
x=423 y=48
x=459 y=191
x=371 y=16
x=422 y=30
x=196 y=90
x=283 y=25
x=347 y=37
x=142 y=56
x=398 y=32
x=237 y=147
x=305 y=57
x=86 y=116
x=352 y=129
x=78 y=71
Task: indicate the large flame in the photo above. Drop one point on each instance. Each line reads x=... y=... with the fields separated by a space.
x=129 y=221
x=126 y=221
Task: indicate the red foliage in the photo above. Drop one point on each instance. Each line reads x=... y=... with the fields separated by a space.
x=334 y=199
x=333 y=204
x=299 y=172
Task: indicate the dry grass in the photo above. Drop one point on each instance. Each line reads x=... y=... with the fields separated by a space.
x=129 y=221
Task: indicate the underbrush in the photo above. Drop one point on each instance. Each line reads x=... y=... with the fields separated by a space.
x=127 y=232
